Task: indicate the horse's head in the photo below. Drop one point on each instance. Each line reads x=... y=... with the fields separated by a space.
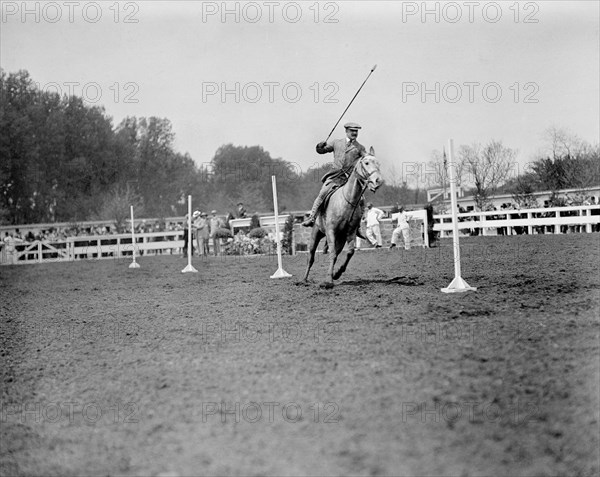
x=367 y=169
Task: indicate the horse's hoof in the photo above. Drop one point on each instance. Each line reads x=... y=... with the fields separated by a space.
x=302 y=283
x=326 y=285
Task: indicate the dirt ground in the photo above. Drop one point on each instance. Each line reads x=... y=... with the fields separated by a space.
x=105 y=370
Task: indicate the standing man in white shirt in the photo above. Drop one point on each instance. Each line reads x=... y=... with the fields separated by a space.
x=403 y=228
x=10 y=249
x=374 y=215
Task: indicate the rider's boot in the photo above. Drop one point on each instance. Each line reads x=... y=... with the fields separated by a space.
x=310 y=221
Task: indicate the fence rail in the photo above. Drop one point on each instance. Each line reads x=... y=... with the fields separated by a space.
x=584 y=218
x=557 y=219
x=96 y=247
x=106 y=246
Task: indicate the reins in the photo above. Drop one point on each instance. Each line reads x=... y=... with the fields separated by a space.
x=360 y=179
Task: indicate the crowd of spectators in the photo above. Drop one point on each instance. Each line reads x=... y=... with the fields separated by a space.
x=61 y=233
x=57 y=234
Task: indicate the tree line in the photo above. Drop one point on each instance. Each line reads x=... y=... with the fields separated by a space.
x=63 y=160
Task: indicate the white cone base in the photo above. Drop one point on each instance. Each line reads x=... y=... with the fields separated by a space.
x=458 y=285
x=134 y=265
x=189 y=269
x=280 y=273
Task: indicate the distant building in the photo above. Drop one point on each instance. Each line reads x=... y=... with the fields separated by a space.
x=542 y=197
x=443 y=194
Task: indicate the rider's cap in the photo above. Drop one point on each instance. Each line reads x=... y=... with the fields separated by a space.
x=352 y=126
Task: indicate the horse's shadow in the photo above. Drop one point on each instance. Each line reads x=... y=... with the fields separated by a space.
x=406 y=281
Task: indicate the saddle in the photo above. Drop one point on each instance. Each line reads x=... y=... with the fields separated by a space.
x=336 y=179
x=328 y=196
x=334 y=187
x=339 y=176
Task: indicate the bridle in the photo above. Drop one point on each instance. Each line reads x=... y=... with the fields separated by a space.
x=362 y=177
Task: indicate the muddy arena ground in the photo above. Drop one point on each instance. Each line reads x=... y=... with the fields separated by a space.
x=107 y=370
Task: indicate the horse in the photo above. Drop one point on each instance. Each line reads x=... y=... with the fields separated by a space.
x=340 y=219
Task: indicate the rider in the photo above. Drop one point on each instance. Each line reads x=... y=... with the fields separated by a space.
x=346 y=152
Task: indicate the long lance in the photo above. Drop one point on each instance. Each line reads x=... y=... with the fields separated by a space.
x=338 y=121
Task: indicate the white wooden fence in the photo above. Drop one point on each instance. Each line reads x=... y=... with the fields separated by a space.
x=545 y=220
x=93 y=247
x=583 y=218
x=106 y=246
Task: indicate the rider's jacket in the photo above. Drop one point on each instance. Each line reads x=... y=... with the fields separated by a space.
x=345 y=155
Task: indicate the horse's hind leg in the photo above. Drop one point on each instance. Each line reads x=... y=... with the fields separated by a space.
x=316 y=237
x=349 y=255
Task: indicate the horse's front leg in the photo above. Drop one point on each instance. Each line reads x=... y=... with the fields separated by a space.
x=333 y=255
x=351 y=244
x=335 y=248
x=316 y=237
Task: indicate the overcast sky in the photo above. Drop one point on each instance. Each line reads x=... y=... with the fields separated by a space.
x=504 y=70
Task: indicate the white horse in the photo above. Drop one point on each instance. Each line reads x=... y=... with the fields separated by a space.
x=340 y=219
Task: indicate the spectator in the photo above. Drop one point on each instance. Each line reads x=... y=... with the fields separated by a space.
x=9 y=245
x=215 y=225
x=432 y=235
x=363 y=221
x=186 y=238
x=595 y=211
x=202 y=234
x=374 y=215
x=402 y=229
x=241 y=211
x=228 y=219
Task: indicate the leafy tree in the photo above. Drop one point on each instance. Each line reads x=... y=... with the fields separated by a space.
x=567 y=162
x=164 y=177
x=523 y=188
x=244 y=174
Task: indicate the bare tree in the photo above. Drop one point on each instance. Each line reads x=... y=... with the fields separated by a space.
x=392 y=176
x=437 y=171
x=116 y=206
x=488 y=167
x=561 y=143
